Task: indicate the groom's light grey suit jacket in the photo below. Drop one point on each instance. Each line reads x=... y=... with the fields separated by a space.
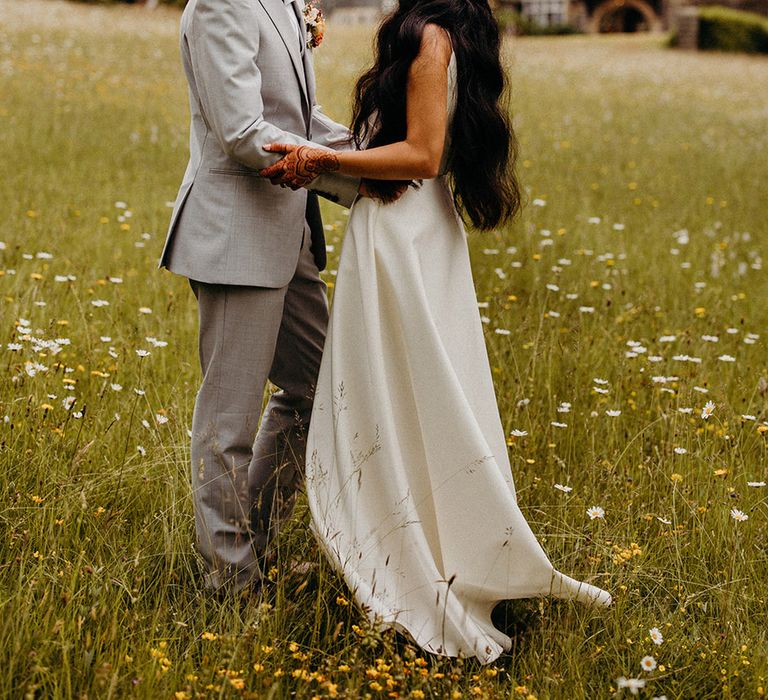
x=248 y=86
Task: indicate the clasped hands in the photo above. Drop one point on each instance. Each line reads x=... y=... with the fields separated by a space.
x=300 y=165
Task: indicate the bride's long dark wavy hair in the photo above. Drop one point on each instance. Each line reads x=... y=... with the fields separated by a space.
x=483 y=147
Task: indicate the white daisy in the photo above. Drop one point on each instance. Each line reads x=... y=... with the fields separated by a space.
x=739 y=515
x=656 y=636
x=648 y=663
x=708 y=410
x=595 y=512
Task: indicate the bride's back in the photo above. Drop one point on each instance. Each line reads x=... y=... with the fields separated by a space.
x=481 y=152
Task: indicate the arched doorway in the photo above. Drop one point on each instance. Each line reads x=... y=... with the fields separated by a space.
x=625 y=16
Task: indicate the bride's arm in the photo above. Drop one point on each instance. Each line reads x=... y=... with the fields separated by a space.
x=418 y=156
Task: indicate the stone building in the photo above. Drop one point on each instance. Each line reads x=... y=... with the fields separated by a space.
x=586 y=15
x=618 y=15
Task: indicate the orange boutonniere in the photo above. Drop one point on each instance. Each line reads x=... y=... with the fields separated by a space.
x=315 y=21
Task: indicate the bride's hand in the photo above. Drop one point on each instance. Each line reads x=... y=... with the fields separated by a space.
x=299 y=166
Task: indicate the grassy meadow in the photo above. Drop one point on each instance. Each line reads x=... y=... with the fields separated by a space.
x=630 y=293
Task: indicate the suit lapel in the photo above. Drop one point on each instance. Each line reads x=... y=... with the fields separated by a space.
x=309 y=72
x=277 y=13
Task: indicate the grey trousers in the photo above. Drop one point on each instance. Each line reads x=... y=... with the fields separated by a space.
x=245 y=474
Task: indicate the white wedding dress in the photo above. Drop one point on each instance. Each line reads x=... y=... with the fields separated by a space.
x=408 y=477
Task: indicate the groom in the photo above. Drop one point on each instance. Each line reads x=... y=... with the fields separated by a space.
x=252 y=253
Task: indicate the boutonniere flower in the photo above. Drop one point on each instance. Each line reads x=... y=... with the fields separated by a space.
x=315 y=21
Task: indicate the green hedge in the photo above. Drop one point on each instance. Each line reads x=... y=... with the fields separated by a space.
x=511 y=22
x=724 y=29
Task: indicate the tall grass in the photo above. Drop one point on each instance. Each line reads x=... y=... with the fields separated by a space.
x=633 y=283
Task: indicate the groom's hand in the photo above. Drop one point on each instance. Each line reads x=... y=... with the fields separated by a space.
x=299 y=166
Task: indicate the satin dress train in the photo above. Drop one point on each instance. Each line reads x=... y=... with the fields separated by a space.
x=408 y=477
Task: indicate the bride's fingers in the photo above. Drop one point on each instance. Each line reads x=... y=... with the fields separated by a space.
x=272 y=171
x=280 y=147
x=277 y=169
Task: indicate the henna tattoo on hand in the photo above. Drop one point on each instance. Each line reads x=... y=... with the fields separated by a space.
x=314 y=162
x=304 y=164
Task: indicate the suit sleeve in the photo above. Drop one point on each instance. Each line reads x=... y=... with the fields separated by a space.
x=223 y=50
x=223 y=47
x=326 y=132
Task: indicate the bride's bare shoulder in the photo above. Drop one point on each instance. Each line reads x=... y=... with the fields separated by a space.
x=435 y=44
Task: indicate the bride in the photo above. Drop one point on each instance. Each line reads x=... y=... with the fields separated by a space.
x=408 y=477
